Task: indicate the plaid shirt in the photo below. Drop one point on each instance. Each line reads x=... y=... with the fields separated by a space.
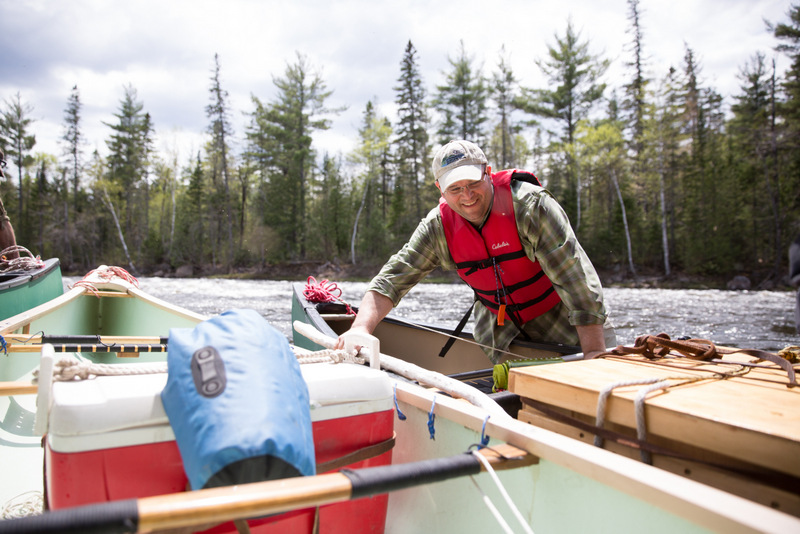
x=547 y=236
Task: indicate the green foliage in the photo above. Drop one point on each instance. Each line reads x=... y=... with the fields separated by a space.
x=462 y=101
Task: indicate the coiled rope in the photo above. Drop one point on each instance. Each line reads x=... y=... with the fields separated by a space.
x=325 y=291
x=25 y=261
x=23 y=505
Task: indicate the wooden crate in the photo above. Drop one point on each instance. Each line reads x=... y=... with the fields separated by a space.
x=753 y=419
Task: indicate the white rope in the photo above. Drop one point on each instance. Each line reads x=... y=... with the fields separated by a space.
x=492 y=508
x=68 y=369
x=505 y=495
x=641 y=424
x=602 y=400
x=23 y=505
x=651 y=385
x=329 y=355
x=21 y=263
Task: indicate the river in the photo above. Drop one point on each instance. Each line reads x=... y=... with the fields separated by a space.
x=746 y=319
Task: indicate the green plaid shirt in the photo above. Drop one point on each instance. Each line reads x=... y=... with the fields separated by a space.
x=547 y=236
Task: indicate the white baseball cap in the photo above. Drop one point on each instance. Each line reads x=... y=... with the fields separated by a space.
x=458 y=160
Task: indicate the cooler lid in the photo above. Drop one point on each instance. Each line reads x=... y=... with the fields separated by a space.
x=112 y=403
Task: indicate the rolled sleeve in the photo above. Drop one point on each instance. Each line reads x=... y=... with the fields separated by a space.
x=547 y=236
x=424 y=251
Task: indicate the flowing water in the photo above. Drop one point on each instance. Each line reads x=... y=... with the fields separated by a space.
x=746 y=319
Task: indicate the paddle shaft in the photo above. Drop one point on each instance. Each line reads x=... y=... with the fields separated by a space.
x=218 y=505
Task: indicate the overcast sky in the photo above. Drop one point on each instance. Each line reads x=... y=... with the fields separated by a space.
x=165 y=50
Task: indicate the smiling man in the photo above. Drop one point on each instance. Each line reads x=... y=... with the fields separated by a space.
x=512 y=243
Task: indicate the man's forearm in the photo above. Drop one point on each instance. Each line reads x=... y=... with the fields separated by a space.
x=374 y=307
x=592 y=340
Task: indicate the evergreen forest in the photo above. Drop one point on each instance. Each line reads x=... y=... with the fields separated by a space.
x=659 y=175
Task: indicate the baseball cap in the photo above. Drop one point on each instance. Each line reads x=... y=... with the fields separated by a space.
x=458 y=160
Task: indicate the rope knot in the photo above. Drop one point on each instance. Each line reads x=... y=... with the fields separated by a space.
x=69 y=369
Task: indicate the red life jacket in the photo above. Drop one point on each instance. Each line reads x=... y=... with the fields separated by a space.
x=492 y=261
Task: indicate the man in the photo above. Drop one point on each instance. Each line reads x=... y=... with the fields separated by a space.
x=7 y=238
x=794 y=277
x=513 y=244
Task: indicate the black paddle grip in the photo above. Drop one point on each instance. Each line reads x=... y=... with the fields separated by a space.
x=113 y=517
x=384 y=479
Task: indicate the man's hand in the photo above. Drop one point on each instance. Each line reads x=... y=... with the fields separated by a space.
x=374 y=307
x=355 y=329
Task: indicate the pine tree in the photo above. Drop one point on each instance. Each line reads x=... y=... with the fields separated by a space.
x=73 y=143
x=72 y=139
x=370 y=155
x=503 y=149
x=126 y=186
x=411 y=144
x=461 y=101
x=279 y=138
x=221 y=130
x=15 y=124
x=751 y=140
x=786 y=124
x=576 y=75
x=636 y=88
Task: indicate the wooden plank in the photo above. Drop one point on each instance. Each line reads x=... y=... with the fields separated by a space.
x=753 y=419
x=17 y=388
x=775 y=498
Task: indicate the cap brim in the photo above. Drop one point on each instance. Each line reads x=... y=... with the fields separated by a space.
x=464 y=172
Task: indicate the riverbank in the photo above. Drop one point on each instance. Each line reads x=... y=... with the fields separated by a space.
x=341 y=272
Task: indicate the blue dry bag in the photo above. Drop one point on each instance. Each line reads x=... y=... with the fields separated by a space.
x=237 y=402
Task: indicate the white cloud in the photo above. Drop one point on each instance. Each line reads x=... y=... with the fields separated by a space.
x=165 y=49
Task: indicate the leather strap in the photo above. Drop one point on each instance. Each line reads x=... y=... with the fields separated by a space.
x=365 y=453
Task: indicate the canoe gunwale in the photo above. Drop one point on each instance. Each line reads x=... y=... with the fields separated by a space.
x=12 y=279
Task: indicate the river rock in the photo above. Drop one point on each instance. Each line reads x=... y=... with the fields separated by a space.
x=739 y=283
x=184 y=271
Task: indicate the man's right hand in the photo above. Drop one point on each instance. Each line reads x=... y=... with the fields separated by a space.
x=356 y=329
x=374 y=307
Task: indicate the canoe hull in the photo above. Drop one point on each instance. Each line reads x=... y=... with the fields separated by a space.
x=121 y=309
x=22 y=290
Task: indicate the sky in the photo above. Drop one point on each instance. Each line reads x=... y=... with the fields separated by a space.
x=165 y=50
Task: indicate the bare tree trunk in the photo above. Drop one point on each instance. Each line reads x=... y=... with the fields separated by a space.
x=355 y=224
x=664 y=240
x=110 y=207
x=624 y=222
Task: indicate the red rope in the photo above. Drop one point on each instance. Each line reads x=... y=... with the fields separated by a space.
x=106 y=273
x=324 y=291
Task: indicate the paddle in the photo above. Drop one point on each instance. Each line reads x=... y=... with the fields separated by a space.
x=218 y=505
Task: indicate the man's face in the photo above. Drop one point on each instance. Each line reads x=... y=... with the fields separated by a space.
x=470 y=198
